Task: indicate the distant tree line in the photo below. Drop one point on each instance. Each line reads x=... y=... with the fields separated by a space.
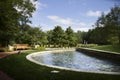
x=59 y=38
x=107 y=28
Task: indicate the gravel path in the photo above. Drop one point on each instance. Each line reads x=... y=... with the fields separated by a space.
x=4 y=54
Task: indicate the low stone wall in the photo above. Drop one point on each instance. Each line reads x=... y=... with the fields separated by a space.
x=112 y=56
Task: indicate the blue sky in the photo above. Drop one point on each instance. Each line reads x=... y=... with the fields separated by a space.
x=79 y=14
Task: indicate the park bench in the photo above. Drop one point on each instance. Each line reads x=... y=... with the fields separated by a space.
x=21 y=46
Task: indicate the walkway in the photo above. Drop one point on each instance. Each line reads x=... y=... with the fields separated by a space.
x=4 y=54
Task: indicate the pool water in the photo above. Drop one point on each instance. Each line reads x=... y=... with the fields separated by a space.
x=77 y=60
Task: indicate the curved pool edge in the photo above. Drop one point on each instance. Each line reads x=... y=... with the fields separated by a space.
x=101 y=54
x=29 y=57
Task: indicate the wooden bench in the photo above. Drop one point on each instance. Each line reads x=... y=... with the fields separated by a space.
x=21 y=46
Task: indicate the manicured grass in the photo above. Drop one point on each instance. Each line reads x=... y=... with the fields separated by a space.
x=113 y=48
x=19 y=68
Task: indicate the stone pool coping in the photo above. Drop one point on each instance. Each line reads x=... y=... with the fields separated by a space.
x=30 y=58
x=101 y=54
x=100 y=50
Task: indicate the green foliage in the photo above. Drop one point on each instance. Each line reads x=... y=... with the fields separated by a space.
x=14 y=14
x=81 y=36
x=44 y=40
x=58 y=36
x=97 y=36
x=49 y=37
x=70 y=37
x=32 y=36
x=107 y=30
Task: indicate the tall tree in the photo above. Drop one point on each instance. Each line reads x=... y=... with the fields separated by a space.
x=58 y=36
x=81 y=37
x=70 y=37
x=113 y=23
x=13 y=13
x=108 y=28
x=49 y=37
x=44 y=39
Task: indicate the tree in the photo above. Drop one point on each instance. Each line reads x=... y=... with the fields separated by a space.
x=36 y=35
x=49 y=37
x=58 y=36
x=71 y=39
x=29 y=35
x=97 y=36
x=107 y=28
x=14 y=13
x=23 y=35
x=79 y=37
x=44 y=40
x=113 y=23
x=101 y=21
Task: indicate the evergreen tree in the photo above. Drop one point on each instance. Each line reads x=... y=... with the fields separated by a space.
x=71 y=39
x=58 y=36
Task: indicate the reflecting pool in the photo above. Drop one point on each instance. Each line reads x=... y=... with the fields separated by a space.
x=77 y=60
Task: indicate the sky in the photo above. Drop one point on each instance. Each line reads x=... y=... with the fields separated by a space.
x=79 y=14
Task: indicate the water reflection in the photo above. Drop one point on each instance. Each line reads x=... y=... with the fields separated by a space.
x=77 y=60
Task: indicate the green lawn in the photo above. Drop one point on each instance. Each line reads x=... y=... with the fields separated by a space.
x=19 y=68
x=113 y=48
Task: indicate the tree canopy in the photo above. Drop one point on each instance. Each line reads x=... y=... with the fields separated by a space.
x=107 y=30
x=13 y=14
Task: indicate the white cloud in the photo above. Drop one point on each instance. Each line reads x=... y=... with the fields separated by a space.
x=60 y=20
x=75 y=24
x=93 y=13
x=82 y=26
x=82 y=29
x=38 y=4
x=46 y=27
x=36 y=14
x=67 y=21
